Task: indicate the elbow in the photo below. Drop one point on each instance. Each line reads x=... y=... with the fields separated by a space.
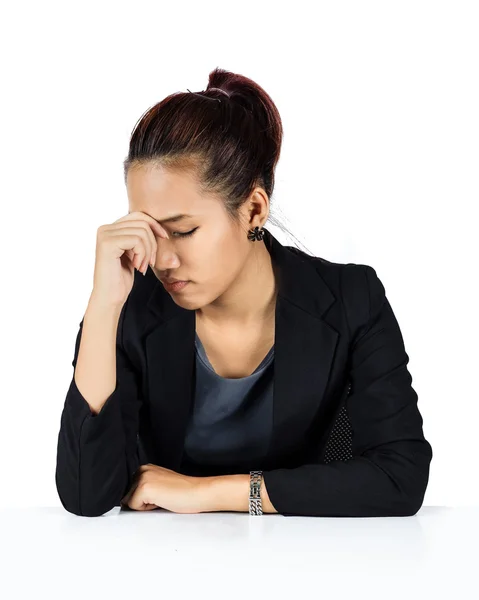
x=416 y=497
x=86 y=509
x=421 y=480
x=407 y=468
x=69 y=495
x=96 y=511
x=413 y=509
x=413 y=505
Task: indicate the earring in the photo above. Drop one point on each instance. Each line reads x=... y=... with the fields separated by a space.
x=256 y=234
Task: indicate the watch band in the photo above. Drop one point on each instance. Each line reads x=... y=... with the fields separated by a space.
x=255 y=506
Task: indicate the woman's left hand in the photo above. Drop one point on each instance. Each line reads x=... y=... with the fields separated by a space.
x=158 y=487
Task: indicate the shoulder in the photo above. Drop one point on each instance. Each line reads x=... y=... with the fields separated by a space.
x=357 y=286
x=349 y=278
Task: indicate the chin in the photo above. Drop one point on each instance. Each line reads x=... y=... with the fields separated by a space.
x=184 y=300
x=189 y=304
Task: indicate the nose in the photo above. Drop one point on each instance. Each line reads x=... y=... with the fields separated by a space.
x=166 y=259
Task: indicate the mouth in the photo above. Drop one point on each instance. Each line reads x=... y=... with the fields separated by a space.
x=175 y=286
x=171 y=279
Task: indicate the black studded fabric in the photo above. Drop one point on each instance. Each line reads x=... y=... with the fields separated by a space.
x=339 y=444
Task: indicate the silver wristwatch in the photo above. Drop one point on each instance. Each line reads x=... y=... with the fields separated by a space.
x=255 y=506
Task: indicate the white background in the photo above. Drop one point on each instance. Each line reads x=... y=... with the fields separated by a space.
x=379 y=166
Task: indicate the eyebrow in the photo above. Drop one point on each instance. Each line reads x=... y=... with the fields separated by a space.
x=172 y=219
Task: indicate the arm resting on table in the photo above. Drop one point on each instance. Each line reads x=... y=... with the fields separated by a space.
x=97 y=451
x=389 y=471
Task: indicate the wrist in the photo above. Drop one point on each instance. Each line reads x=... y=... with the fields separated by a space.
x=225 y=492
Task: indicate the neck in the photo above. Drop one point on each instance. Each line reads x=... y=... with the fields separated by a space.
x=250 y=299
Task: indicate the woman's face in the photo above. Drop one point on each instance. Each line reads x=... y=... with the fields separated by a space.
x=212 y=256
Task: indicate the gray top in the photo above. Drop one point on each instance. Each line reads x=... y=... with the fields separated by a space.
x=231 y=422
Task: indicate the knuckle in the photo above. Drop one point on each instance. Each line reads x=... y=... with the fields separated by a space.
x=143 y=486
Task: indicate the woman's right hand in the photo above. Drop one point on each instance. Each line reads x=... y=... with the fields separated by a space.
x=128 y=243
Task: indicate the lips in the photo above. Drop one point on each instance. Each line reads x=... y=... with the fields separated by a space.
x=170 y=281
x=175 y=286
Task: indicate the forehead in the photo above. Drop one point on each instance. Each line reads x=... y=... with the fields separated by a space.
x=152 y=185
x=161 y=193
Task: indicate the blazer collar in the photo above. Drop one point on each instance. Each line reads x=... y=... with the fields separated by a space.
x=305 y=345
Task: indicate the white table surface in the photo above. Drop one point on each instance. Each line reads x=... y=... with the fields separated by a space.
x=50 y=553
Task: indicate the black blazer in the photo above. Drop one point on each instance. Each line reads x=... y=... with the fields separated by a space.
x=347 y=433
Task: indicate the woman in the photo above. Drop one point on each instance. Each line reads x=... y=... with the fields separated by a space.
x=264 y=379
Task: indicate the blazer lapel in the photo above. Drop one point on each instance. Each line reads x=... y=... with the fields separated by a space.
x=304 y=349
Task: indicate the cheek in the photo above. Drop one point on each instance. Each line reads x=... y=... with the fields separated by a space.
x=217 y=264
x=214 y=260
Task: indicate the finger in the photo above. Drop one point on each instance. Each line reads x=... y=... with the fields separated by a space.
x=161 y=231
x=152 y=248
x=135 y=239
x=151 y=230
x=150 y=241
x=149 y=507
x=126 y=501
x=133 y=485
x=131 y=246
x=136 y=500
x=132 y=256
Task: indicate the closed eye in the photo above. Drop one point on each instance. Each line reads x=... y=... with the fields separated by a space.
x=186 y=234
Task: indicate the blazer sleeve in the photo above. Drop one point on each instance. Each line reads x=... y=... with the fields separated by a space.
x=97 y=455
x=389 y=471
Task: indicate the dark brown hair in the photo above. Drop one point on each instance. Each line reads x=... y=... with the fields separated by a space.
x=228 y=135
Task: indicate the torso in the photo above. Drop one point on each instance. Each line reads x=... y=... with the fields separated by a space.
x=233 y=353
